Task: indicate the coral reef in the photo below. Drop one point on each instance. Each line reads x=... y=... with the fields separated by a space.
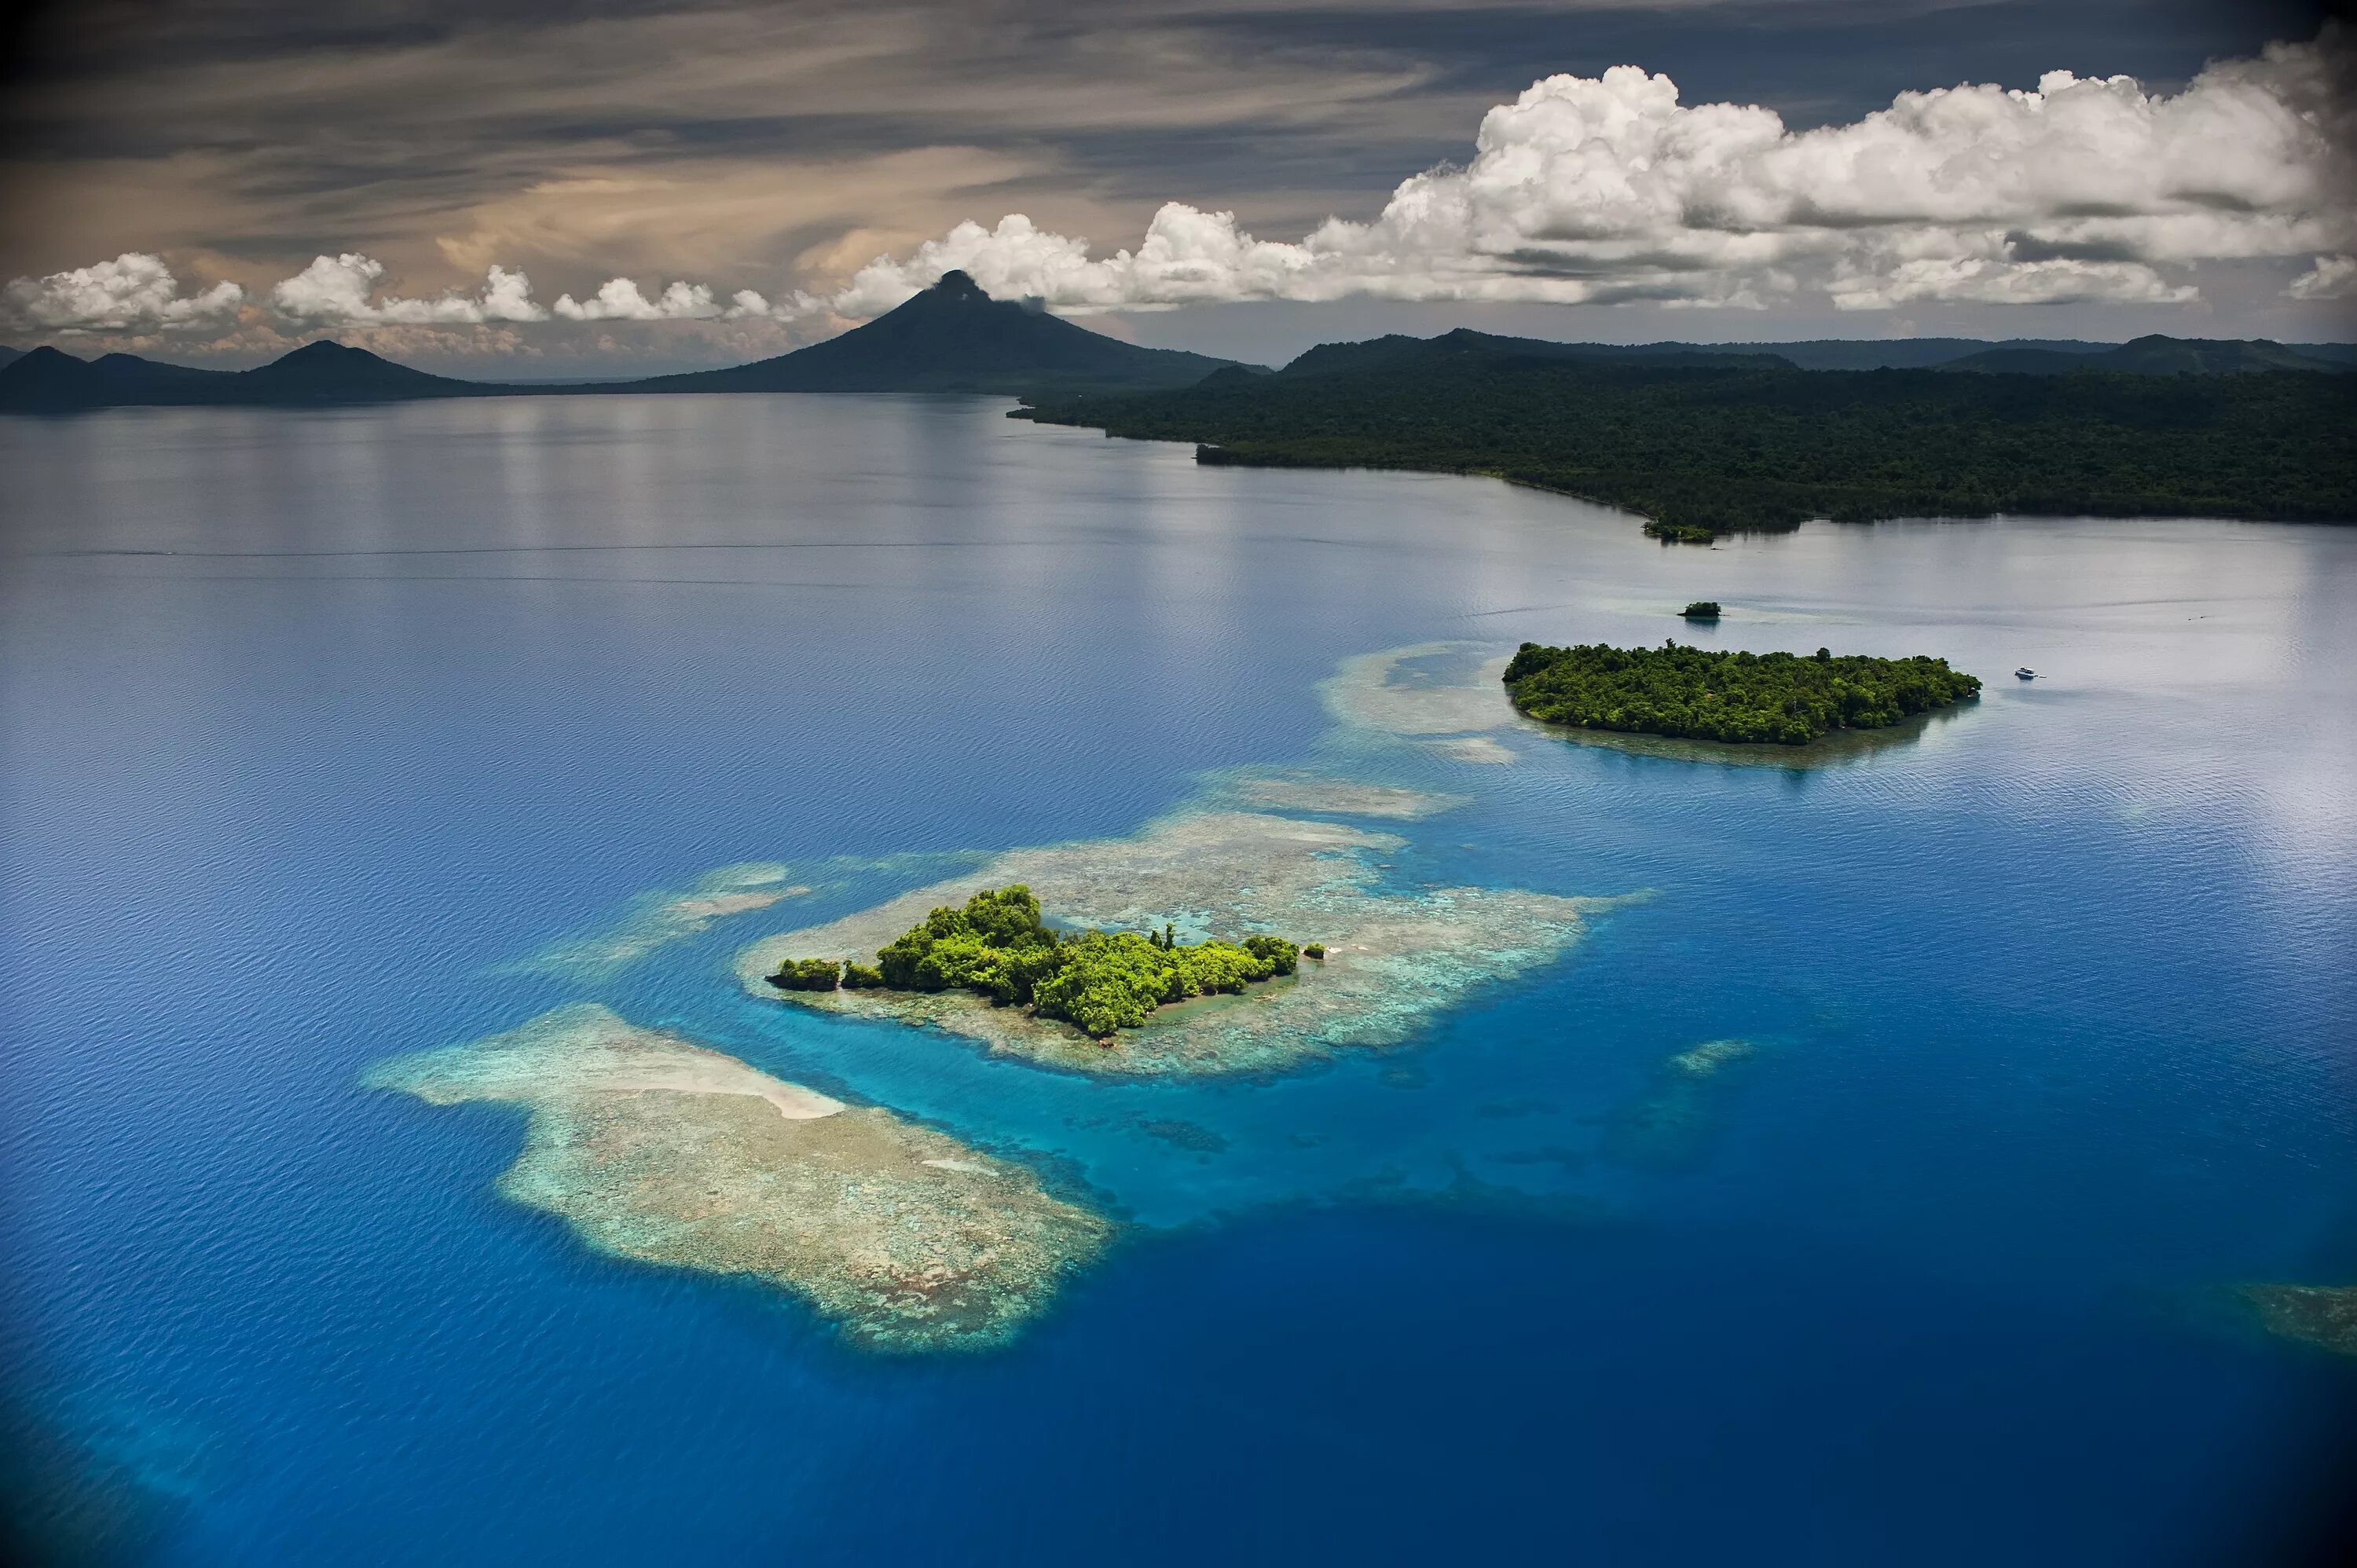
x=659 y=1150
x=1340 y=797
x=2321 y=1315
x=658 y=919
x=1424 y=689
x=1392 y=959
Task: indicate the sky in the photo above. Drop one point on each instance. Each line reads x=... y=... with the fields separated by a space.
x=565 y=188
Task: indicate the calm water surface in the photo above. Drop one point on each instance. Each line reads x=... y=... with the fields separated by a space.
x=315 y=724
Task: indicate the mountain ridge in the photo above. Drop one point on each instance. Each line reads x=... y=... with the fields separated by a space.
x=2152 y=355
x=954 y=338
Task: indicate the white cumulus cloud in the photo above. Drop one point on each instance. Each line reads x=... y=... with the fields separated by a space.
x=132 y=292
x=1587 y=190
x=337 y=291
x=1592 y=189
x=620 y=300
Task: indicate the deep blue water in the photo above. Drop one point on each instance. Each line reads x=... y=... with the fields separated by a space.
x=315 y=724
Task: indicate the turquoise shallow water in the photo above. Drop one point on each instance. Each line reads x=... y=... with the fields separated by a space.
x=316 y=725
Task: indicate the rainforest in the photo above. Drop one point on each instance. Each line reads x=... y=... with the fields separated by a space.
x=1744 y=698
x=999 y=946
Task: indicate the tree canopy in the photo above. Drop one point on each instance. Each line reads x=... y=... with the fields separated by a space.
x=1707 y=444
x=998 y=946
x=1745 y=698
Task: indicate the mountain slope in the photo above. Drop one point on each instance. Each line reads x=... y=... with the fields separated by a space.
x=325 y=372
x=954 y=337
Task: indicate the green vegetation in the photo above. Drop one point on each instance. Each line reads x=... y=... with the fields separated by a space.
x=997 y=946
x=1741 y=697
x=1708 y=444
x=806 y=974
x=1701 y=609
x=1316 y=950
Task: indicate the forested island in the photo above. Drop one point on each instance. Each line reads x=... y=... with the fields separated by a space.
x=1745 y=698
x=997 y=946
x=1701 y=443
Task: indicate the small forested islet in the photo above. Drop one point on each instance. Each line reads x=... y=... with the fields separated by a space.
x=998 y=946
x=1745 y=698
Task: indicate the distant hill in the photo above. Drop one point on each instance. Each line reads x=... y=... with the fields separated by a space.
x=2152 y=356
x=1907 y=353
x=954 y=338
x=2034 y=355
x=1702 y=444
x=47 y=381
x=9 y=356
x=1331 y=358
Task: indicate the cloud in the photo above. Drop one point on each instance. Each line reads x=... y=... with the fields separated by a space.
x=132 y=292
x=620 y=300
x=2330 y=277
x=1583 y=190
x=335 y=291
x=1595 y=190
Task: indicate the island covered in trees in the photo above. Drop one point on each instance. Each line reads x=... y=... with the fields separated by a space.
x=1701 y=443
x=999 y=946
x=1745 y=698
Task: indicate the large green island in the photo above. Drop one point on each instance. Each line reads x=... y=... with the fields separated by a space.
x=998 y=946
x=1705 y=443
x=1694 y=693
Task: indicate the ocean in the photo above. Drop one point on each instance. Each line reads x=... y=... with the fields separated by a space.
x=330 y=737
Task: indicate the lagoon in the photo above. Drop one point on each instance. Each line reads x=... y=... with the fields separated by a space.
x=1873 y=1174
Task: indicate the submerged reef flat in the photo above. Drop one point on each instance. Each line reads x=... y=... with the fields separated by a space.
x=1340 y=797
x=2319 y=1314
x=658 y=919
x=1424 y=689
x=1669 y=1127
x=1392 y=960
x=654 y=1148
x=1706 y=1059
x=1472 y=749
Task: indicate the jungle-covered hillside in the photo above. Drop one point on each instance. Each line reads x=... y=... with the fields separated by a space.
x=1705 y=443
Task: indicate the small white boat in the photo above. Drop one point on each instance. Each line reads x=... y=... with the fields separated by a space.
x=2026 y=673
